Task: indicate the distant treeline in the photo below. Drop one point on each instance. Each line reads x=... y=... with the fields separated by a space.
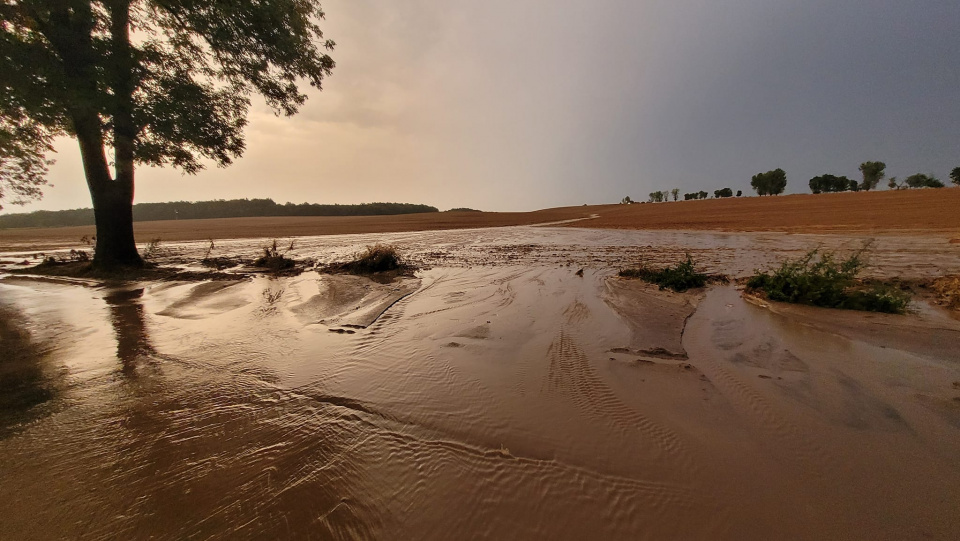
x=234 y=208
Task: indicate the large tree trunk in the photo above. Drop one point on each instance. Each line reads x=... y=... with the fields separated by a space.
x=113 y=211
x=71 y=30
x=112 y=200
x=114 y=214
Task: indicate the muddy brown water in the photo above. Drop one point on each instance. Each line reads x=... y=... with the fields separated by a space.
x=495 y=395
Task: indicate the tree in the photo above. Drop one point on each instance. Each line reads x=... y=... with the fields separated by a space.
x=626 y=200
x=701 y=195
x=831 y=183
x=922 y=181
x=955 y=176
x=658 y=196
x=23 y=167
x=892 y=184
x=157 y=82
x=769 y=183
x=725 y=192
x=739 y=193
x=873 y=173
x=676 y=193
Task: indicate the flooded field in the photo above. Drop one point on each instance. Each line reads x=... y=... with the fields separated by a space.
x=497 y=394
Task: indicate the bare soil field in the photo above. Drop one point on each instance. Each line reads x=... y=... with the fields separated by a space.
x=294 y=226
x=934 y=211
x=899 y=210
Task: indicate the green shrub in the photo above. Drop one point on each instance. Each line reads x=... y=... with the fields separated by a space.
x=820 y=278
x=680 y=277
x=878 y=298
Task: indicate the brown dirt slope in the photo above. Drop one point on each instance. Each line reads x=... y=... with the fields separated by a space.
x=238 y=228
x=929 y=210
x=883 y=211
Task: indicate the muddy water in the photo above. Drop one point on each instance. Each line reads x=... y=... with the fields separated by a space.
x=486 y=401
x=737 y=254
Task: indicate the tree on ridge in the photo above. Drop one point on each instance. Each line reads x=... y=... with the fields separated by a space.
x=175 y=94
x=873 y=173
x=769 y=183
x=920 y=180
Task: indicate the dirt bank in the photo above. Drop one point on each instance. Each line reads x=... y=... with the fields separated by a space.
x=913 y=211
x=272 y=227
x=933 y=210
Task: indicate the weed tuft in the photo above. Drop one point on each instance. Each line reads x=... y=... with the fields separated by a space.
x=152 y=249
x=379 y=258
x=680 y=277
x=274 y=258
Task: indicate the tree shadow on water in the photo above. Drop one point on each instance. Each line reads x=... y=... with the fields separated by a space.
x=129 y=325
x=28 y=384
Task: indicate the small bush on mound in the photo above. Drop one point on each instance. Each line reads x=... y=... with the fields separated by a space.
x=376 y=258
x=275 y=259
x=680 y=277
x=821 y=278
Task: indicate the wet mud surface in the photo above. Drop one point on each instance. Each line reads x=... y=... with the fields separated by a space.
x=495 y=395
x=905 y=256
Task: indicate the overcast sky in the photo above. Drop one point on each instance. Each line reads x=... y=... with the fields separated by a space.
x=527 y=104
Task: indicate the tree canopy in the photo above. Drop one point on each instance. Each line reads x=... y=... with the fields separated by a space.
x=769 y=183
x=873 y=173
x=23 y=166
x=832 y=183
x=920 y=180
x=193 y=210
x=658 y=196
x=955 y=176
x=158 y=82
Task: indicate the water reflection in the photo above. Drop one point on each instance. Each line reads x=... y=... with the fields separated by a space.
x=129 y=324
x=26 y=383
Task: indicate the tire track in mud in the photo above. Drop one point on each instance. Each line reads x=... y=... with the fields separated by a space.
x=570 y=373
x=758 y=410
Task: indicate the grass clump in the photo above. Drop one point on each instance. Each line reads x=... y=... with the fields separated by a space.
x=376 y=259
x=153 y=249
x=221 y=263
x=274 y=258
x=822 y=278
x=680 y=277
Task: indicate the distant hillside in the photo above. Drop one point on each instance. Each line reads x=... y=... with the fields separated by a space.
x=234 y=208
